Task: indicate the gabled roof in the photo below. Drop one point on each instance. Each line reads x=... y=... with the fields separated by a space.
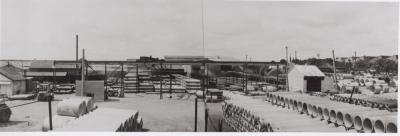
x=308 y=70
x=12 y=72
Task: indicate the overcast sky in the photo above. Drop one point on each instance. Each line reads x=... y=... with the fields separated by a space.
x=122 y=29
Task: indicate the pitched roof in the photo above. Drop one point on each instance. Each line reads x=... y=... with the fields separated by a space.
x=308 y=70
x=12 y=72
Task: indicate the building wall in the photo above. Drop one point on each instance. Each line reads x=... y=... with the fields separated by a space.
x=18 y=87
x=94 y=87
x=296 y=81
x=5 y=88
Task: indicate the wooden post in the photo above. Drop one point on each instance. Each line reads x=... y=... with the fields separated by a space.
x=206 y=120
x=105 y=77
x=122 y=81
x=170 y=80
x=195 y=115
x=83 y=72
x=160 y=86
x=137 y=78
x=203 y=81
x=220 y=125
x=277 y=76
x=334 y=68
x=50 y=114
x=246 y=91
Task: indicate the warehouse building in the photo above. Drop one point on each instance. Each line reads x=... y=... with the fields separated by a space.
x=305 y=78
x=12 y=80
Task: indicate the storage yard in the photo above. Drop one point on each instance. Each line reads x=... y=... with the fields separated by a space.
x=132 y=97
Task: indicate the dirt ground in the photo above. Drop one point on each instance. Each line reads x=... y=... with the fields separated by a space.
x=174 y=114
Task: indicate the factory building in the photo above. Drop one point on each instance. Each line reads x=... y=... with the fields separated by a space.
x=305 y=78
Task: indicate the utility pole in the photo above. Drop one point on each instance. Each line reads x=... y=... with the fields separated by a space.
x=83 y=72
x=334 y=68
x=76 y=55
x=287 y=69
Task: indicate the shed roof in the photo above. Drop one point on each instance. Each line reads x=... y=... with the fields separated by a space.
x=308 y=70
x=12 y=72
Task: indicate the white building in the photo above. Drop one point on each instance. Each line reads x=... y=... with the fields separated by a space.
x=305 y=78
x=12 y=80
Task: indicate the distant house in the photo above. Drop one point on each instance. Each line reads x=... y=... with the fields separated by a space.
x=305 y=78
x=12 y=80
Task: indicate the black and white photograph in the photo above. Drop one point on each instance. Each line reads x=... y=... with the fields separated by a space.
x=143 y=66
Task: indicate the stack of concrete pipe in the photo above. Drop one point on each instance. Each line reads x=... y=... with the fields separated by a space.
x=106 y=119
x=252 y=114
x=348 y=116
x=68 y=110
x=372 y=101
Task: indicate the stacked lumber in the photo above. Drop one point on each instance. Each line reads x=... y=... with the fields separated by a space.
x=106 y=119
x=130 y=83
x=247 y=114
x=349 y=116
x=382 y=102
x=190 y=84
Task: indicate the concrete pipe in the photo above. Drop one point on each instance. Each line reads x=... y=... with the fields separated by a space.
x=332 y=116
x=318 y=112
x=294 y=105
x=304 y=109
x=283 y=104
x=368 y=125
x=310 y=110
x=358 y=123
x=348 y=121
x=299 y=106
x=381 y=124
x=291 y=104
x=339 y=118
x=391 y=127
x=287 y=103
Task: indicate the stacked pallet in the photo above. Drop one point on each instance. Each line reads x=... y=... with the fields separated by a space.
x=373 y=101
x=246 y=114
x=350 y=116
x=106 y=119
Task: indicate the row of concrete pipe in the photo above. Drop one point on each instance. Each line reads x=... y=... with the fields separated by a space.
x=362 y=119
x=367 y=101
x=252 y=114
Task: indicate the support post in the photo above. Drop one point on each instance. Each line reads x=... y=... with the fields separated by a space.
x=195 y=115
x=122 y=81
x=206 y=119
x=170 y=80
x=105 y=77
x=220 y=125
x=137 y=78
x=50 y=114
x=334 y=68
x=83 y=72
x=277 y=76
x=246 y=91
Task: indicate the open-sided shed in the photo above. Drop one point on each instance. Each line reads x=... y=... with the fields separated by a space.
x=305 y=78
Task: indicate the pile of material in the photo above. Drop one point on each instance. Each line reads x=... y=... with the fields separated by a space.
x=246 y=114
x=69 y=110
x=373 y=101
x=22 y=97
x=106 y=119
x=362 y=119
x=130 y=83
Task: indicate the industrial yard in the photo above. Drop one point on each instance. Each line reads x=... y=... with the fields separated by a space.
x=143 y=66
